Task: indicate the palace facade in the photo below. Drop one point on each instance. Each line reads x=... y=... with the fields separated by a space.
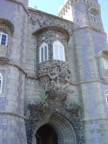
x=53 y=74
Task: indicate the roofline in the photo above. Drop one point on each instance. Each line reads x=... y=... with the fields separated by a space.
x=45 y=13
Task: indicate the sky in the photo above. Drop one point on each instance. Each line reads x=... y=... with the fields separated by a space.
x=52 y=7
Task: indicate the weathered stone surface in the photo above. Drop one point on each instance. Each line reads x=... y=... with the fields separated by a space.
x=72 y=95
x=54 y=77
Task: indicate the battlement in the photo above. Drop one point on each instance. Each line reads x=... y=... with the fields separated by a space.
x=67 y=4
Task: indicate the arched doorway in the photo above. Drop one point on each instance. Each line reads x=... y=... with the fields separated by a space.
x=46 y=135
x=60 y=129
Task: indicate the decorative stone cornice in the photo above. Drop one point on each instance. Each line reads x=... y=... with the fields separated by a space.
x=93 y=120
x=38 y=20
x=54 y=28
x=92 y=81
x=89 y=27
x=5 y=61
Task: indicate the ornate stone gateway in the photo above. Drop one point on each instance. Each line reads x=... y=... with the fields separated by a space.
x=64 y=123
x=66 y=126
x=63 y=129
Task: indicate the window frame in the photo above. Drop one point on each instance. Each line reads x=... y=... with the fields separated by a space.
x=1 y=82
x=60 y=53
x=43 y=52
x=106 y=96
x=104 y=63
x=93 y=17
x=1 y=37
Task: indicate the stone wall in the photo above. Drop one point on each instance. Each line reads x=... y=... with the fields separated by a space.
x=47 y=28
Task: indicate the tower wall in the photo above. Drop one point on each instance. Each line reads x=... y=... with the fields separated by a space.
x=12 y=125
x=90 y=41
x=79 y=11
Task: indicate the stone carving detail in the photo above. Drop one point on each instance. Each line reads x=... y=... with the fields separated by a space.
x=40 y=21
x=33 y=20
x=4 y=60
x=54 y=77
x=38 y=112
x=74 y=108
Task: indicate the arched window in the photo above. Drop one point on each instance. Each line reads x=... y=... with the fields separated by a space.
x=43 y=52
x=3 y=38
x=6 y=30
x=94 y=15
x=58 y=51
x=1 y=82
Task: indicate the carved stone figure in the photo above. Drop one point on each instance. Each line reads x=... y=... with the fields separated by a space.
x=55 y=78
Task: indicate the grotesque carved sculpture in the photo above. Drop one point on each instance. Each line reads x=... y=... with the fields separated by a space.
x=54 y=77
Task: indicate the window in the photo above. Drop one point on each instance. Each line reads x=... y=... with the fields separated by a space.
x=106 y=96
x=3 y=38
x=105 y=63
x=1 y=82
x=93 y=17
x=43 y=50
x=58 y=51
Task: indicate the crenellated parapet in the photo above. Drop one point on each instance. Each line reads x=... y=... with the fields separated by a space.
x=69 y=3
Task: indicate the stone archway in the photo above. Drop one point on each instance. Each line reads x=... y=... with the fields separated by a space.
x=46 y=135
x=61 y=126
x=66 y=123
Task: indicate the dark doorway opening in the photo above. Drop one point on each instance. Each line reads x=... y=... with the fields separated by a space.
x=46 y=135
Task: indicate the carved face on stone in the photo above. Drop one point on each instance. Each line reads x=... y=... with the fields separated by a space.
x=53 y=71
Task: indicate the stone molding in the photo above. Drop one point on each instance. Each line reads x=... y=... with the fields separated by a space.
x=91 y=81
x=91 y=120
x=6 y=24
x=5 y=61
x=54 y=29
x=13 y=114
x=33 y=11
x=89 y=27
